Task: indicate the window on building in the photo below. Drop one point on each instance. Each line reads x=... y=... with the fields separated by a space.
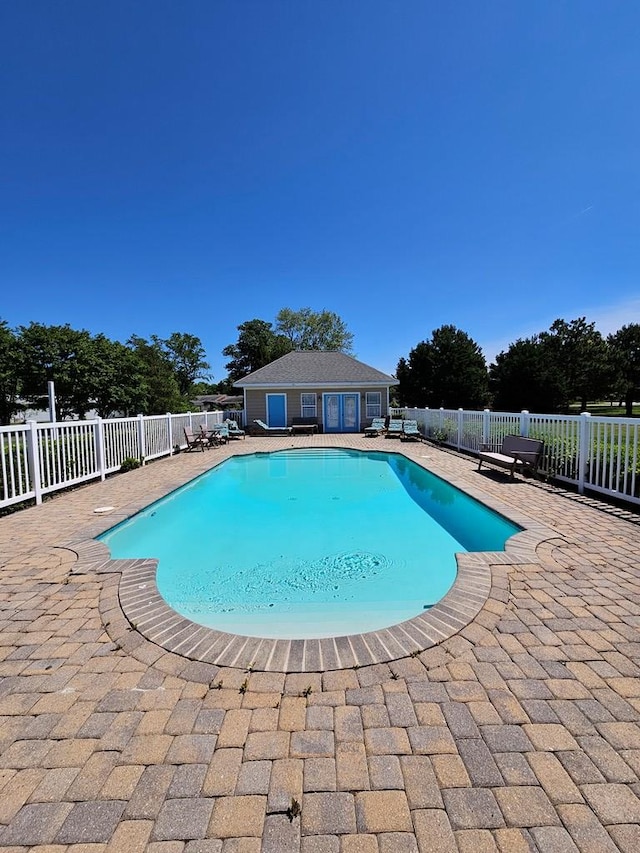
x=308 y=406
x=374 y=404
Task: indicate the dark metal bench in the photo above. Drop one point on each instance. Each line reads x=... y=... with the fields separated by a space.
x=516 y=453
x=304 y=425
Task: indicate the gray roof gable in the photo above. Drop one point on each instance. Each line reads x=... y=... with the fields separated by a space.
x=316 y=368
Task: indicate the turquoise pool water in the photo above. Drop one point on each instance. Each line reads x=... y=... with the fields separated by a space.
x=309 y=543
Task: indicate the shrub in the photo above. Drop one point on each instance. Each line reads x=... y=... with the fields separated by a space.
x=129 y=464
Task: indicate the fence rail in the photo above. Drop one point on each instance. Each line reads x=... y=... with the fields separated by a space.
x=39 y=458
x=596 y=453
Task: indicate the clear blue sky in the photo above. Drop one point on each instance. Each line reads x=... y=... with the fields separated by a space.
x=186 y=166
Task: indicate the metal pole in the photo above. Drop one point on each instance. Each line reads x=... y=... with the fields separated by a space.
x=584 y=449
x=51 y=391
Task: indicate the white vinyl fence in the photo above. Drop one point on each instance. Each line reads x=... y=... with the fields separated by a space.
x=596 y=453
x=38 y=458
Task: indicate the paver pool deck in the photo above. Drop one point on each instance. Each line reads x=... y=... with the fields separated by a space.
x=519 y=732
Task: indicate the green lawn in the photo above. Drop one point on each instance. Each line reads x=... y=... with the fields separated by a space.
x=605 y=410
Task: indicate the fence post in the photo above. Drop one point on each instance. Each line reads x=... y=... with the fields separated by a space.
x=190 y=421
x=34 y=459
x=441 y=419
x=169 y=434
x=99 y=440
x=583 y=449
x=486 y=425
x=460 y=423
x=524 y=423
x=142 y=444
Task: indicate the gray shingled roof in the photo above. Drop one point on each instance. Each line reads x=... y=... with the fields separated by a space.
x=315 y=368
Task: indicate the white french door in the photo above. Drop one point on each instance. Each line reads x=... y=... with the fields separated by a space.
x=341 y=412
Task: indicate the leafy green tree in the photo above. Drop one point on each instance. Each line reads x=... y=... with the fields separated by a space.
x=624 y=349
x=118 y=382
x=314 y=330
x=581 y=357
x=448 y=370
x=225 y=386
x=201 y=388
x=160 y=389
x=187 y=357
x=61 y=354
x=257 y=345
x=546 y=372
x=415 y=376
x=403 y=392
x=10 y=370
x=524 y=377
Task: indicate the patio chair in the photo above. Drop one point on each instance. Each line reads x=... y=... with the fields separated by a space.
x=269 y=430
x=375 y=427
x=195 y=441
x=410 y=430
x=394 y=429
x=218 y=434
x=234 y=430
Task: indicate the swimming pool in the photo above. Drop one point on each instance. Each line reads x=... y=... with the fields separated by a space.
x=309 y=543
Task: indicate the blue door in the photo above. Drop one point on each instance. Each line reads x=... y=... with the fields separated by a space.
x=341 y=413
x=277 y=410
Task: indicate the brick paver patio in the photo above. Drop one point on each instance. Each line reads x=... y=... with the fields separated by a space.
x=517 y=733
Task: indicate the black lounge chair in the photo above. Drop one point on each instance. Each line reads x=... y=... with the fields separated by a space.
x=410 y=430
x=234 y=430
x=394 y=428
x=269 y=430
x=375 y=427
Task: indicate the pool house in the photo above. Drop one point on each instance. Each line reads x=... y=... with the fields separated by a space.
x=336 y=390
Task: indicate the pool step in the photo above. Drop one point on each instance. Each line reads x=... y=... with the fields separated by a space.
x=320 y=453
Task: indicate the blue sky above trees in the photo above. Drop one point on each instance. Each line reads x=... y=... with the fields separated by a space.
x=190 y=166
